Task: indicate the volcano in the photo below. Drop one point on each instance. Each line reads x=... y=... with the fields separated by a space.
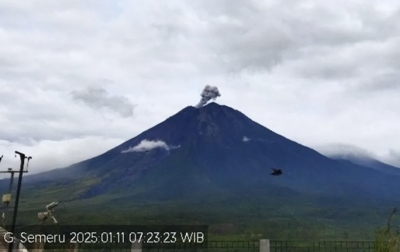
x=216 y=162
x=216 y=149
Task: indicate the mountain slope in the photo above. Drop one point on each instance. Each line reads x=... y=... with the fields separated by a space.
x=212 y=165
x=216 y=150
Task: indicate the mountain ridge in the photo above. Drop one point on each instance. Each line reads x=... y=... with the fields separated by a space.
x=223 y=146
x=217 y=171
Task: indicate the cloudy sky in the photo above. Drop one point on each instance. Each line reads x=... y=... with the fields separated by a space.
x=78 y=77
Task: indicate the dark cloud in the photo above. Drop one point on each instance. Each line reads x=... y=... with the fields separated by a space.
x=388 y=81
x=98 y=98
x=254 y=36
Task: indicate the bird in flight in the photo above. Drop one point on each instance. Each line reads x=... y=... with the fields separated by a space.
x=276 y=172
x=1 y=158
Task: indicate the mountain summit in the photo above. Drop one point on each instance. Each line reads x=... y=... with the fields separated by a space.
x=216 y=150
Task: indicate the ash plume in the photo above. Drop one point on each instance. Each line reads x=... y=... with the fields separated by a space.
x=209 y=93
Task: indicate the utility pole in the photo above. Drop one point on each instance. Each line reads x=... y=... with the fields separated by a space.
x=22 y=157
x=7 y=196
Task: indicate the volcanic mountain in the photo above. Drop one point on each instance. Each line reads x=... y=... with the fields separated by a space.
x=216 y=150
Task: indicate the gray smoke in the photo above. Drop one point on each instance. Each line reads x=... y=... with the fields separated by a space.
x=209 y=93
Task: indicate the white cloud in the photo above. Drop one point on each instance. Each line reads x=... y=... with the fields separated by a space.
x=344 y=149
x=50 y=154
x=146 y=145
x=393 y=157
x=246 y=139
x=350 y=151
x=316 y=72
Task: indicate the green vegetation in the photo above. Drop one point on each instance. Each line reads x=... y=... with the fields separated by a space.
x=228 y=218
x=387 y=239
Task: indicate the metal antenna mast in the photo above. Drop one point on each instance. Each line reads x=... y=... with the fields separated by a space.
x=22 y=157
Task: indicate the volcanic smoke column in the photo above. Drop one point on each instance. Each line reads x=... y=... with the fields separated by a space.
x=209 y=93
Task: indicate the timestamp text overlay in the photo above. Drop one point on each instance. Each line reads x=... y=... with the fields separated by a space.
x=104 y=236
